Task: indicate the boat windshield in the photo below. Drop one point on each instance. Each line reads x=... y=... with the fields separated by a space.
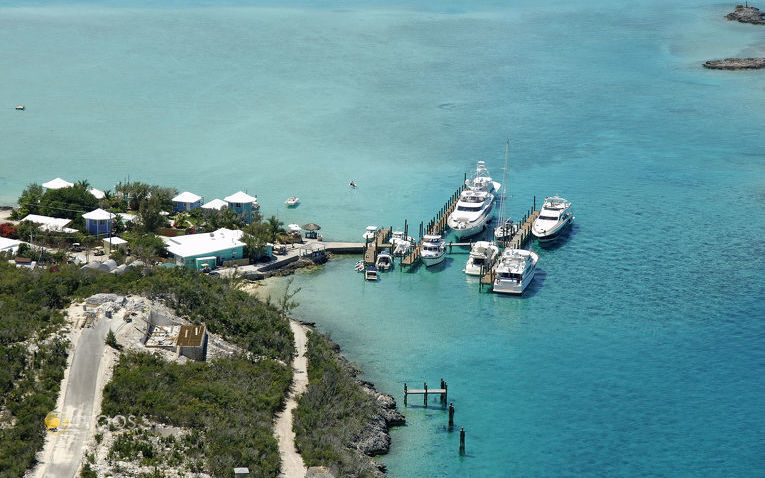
x=548 y=218
x=469 y=208
x=431 y=248
x=511 y=276
x=478 y=261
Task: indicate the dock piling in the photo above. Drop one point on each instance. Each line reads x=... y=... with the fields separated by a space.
x=462 y=441
x=425 y=395
x=451 y=415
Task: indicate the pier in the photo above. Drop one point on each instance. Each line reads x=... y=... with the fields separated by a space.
x=519 y=239
x=379 y=242
x=437 y=225
x=425 y=391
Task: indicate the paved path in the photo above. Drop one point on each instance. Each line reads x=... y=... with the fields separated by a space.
x=292 y=462
x=67 y=447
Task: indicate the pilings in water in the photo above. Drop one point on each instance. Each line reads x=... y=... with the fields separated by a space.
x=462 y=441
x=437 y=225
x=442 y=392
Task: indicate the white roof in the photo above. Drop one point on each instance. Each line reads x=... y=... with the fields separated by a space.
x=115 y=241
x=293 y=227
x=6 y=244
x=98 y=215
x=48 y=223
x=187 y=197
x=215 y=204
x=57 y=183
x=205 y=243
x=241 y=197
x=97 y=193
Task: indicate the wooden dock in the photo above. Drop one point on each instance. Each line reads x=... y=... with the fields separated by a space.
x=518 y=240
x=437 y=225
x=425 y=391
x=380 y=242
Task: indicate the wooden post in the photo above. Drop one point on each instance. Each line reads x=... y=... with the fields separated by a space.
x=451 y=415
x=462 y=441
x=535 y=202
x=446 y=390
x=425 y=399
x=442 y=386
x=405 y=393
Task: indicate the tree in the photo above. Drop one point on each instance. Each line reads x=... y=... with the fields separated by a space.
x=285 y=302
x=274 y=227
x=70 y=203
x=255 y=238
x=149 y=212
x=111 y=340
x=29 y=201
x=146 y=247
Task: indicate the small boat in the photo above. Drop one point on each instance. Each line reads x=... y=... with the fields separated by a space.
x=433 y=250
x=482 y=257
x=20 y=108
x=370 y=233
x=505 y=230
x=384 y=261
x=471 y=213
x=371 y=273
x=515 y=271
x=359 y=267
x=292 y=201
x=352 y=184
x=554 y=219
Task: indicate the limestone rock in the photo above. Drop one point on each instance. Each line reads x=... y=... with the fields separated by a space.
x=747 y=14
x=736 y=64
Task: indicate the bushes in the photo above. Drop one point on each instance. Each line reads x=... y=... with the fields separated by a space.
x=331 y=412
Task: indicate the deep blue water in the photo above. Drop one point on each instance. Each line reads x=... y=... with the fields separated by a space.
x=638 y=350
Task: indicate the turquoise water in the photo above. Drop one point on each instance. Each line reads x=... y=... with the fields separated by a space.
x=639 y=347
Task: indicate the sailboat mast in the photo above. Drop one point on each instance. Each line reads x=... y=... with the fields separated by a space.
x=504 y=185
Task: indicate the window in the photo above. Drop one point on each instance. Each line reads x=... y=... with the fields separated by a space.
x=548 y=218
x=237 y=204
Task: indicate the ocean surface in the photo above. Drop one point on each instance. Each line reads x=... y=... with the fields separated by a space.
x=639 y=350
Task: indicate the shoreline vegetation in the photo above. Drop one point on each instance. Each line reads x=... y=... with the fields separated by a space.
x=742 y=14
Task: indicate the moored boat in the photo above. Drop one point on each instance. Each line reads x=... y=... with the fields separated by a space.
x=433 y=250
x=471 y=213
x=384 y=261
x=292 y=201
x=370 y=273
x=481 y=179
x=482 y=257
x=515 y=271
x=370 y=233
x=554 y=218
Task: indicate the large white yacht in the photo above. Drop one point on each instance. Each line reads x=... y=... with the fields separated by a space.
x=482 y=180
x=553 y=219
x=471 y=213
x=433 y=250
x=515 y=271
x=482 y=257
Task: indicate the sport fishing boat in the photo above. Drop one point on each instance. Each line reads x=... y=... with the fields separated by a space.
x=384 y=261
x=370 y=233
x=482 y=180
x=554 y=219
x=433 y=250
x=471 y=213
x=515 y=271
x=482 y=257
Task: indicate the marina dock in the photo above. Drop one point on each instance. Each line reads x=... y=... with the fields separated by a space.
x=518 y=240
x=437 y=225
x=373 y=247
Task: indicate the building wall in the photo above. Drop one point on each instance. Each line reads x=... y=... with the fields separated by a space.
x=185 y=206
x=243 y=209
x=98 y=228
x=224 y=255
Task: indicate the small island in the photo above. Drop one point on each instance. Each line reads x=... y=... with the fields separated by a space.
x=735 y=64
x=747 y=14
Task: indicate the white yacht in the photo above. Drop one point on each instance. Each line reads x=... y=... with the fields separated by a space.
x=554 y=218
x=482 y=180
x=433 y=250
x=505 y=230
x=515 y=271
x=471 y=213
x=370 y=233
x=482 y=257
x=384 y=261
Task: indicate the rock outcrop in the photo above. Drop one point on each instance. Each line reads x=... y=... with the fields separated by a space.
x=747 y=14
x=374 y=439
x=736 y=64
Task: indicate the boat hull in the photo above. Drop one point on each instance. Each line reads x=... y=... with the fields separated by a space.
x=433 y=260
x=554 y=234
x=509 y=286
x=472 y=228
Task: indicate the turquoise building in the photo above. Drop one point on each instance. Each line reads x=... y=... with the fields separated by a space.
x=206 y=250
x=243 y=204
x=186 y=201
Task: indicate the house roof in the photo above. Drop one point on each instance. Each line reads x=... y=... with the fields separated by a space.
x=206 y=243
x=48 y=223
x=187 y=197
x=215 y=204
x=57 y=183
x=241 y=197
x=97 y=193
x=98 y=215
x=6 y=244
x=191 y=335
x=115 y=241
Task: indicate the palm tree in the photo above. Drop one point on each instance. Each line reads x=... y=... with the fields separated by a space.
x=274 y=227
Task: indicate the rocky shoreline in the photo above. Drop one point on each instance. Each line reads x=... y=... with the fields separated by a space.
x=747 y=14
x=736 y=64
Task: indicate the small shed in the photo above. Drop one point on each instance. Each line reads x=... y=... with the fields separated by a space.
x=116 y=243
x=192 y=342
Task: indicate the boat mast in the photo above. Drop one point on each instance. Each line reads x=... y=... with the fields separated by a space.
x=504 y=185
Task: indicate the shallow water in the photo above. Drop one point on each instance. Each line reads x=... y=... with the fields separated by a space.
x=638 y=349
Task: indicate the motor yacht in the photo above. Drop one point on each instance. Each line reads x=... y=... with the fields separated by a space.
x=515 y=271
x=433 y=250
x=482 y=180
x=370 y=233
x=384 y=261
x=471 y=213
x=482 y=257
x=554 y=218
